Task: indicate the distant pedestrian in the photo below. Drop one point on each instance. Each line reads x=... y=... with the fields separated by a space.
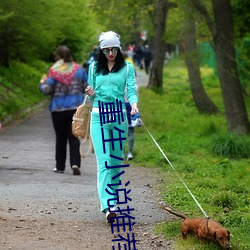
x=93 y=55
x=138 y=56
x=147 y=55
x=65 y=84
x=128 y=108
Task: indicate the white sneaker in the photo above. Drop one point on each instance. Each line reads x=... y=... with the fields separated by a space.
x=58 y=171
x=129 y=156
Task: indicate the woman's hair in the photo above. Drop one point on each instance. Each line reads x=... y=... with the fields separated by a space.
x=102 y=67
x=63 y=52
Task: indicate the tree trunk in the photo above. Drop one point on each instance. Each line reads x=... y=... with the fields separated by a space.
x=159 y=46
x=201 y=99
x=223 y=38
x=235 y=109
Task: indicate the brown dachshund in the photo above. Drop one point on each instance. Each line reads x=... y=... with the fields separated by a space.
x=204 y=229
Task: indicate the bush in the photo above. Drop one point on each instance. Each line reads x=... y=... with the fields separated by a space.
x=231 y=146
x=223 y=200
x=19 y=88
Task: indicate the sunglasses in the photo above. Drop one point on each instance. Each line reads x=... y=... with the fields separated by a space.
x=106 y=51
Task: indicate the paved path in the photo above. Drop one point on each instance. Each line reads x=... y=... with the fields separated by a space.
x=30 y=192
x=141 y=78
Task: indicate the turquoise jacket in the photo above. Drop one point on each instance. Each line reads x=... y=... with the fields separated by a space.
x=111 y=87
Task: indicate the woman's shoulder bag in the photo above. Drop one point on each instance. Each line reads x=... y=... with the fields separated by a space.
x=81 y=125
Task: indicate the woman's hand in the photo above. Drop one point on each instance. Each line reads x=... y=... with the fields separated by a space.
x=134 y=109
x=90 y=91
x=43 y=79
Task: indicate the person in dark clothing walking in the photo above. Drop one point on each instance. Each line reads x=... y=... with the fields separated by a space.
x=65 y=83
x=147 y=54
x=138 y=56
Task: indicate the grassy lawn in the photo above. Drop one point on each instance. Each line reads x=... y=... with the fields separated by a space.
x=19 y=88
x=214 y=164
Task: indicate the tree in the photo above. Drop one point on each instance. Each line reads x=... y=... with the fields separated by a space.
x=242 y=33
x=127 y=17
x=159 y=46
x=201 y=99
x=223 y=38
x=28 y=33
x=241 y=17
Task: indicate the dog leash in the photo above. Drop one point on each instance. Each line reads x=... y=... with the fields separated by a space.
x=174 y=169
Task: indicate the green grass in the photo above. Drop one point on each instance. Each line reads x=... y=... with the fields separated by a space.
x=19 y=88
x=214 y=164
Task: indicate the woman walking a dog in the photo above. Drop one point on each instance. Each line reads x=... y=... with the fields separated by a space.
x=108 y=78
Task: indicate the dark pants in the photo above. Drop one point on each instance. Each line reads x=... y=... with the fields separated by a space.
x=147 y=65
x=62 y=122
x=131 y=139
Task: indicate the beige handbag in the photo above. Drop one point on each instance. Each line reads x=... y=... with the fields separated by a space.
x=81 y=126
